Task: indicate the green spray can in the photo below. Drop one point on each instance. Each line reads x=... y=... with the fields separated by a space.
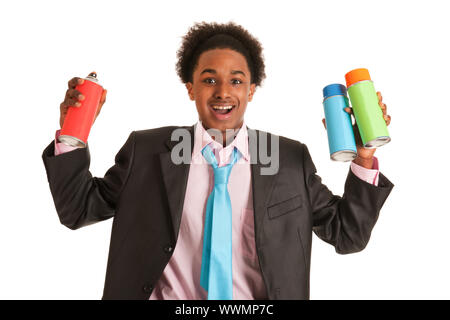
x=368 y=114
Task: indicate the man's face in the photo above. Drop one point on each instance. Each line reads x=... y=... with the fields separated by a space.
x=220 y=80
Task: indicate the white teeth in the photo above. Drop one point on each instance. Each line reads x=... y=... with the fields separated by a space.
x=222 y=107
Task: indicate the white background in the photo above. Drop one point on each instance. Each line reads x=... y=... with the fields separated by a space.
x=132 y=45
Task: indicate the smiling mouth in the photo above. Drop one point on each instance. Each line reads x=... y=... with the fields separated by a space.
x=222 y=109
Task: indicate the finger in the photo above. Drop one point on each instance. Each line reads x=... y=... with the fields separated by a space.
x=324 y=123
x=388 y=120
x=75 y=95
x=383 y=108
x=348 y=110
x=380 y=97
x=63 y=107
x=74 y=82
x=69 y=102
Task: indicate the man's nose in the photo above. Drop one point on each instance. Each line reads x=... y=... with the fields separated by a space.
x=222 y=91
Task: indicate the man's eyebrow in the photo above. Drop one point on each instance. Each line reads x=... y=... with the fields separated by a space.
x=209 y=71
x=215 y=72
x=238 y=72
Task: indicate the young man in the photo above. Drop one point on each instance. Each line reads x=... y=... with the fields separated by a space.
x=189 y=231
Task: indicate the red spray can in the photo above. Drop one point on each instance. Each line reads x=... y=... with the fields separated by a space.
x=79 y=121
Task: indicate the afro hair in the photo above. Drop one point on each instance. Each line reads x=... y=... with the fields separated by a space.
x=204 y=36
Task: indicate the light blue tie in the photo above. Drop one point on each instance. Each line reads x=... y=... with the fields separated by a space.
x=216 y=273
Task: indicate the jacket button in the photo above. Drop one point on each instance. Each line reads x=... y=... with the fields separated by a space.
x=147 y=288
x=168 y=249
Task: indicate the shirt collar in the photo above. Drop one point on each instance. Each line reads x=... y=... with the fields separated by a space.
x=202 y=138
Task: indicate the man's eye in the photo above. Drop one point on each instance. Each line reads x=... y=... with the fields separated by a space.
x=236 y=81
x=209 y=81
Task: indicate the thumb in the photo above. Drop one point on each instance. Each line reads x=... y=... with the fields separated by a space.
x=324 y=123
x=103 y=98
x=102 y=101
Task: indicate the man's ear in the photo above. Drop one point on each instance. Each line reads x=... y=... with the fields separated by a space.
x=190 y=91
x=252 y=92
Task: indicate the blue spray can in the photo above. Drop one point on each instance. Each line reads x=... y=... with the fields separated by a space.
x=341 y=138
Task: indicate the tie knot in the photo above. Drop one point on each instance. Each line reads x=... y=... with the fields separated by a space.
x=221 y=174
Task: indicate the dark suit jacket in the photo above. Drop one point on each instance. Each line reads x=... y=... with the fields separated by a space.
x=144 y=191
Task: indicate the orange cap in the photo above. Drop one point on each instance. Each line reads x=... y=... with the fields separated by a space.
x=356 y=75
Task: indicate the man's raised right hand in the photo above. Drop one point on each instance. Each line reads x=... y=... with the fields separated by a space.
x=73 y=98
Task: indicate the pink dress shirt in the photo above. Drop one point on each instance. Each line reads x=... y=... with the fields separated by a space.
x=181 y=277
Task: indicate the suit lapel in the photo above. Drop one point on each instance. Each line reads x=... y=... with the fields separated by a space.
x=175 y=180
x=262 y=185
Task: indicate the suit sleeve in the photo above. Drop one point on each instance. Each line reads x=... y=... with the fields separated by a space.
x=79 y=198
x=345 y=222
